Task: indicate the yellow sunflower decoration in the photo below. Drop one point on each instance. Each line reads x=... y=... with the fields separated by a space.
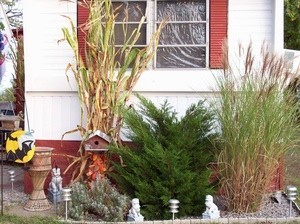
x=20 y=146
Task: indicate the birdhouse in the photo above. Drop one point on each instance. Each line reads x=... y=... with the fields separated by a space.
x=97 y=141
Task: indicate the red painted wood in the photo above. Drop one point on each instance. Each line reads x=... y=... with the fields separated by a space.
x=82 y=16
x=277 y=182
x=59 y=157
x=218 y=31
x=63 y=148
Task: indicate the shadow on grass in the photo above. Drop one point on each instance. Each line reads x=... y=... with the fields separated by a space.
x=12 y=219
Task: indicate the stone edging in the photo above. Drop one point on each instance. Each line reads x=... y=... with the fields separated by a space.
x=204 y=221
x=196 y=221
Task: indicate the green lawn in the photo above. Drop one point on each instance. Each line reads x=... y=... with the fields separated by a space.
x=13 y=219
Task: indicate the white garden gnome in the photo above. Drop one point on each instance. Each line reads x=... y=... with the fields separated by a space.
x=55 y=186
x=211 y=211
x=134 y=213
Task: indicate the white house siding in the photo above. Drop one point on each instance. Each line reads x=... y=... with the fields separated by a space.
x=52 y=102
x=45 y=59
x=250 y=20
x=53 y=114
x=254 y=21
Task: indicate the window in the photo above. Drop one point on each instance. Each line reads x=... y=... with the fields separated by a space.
x=183 y=41
x=129 y=15
x=192 y=38
x=134 y=11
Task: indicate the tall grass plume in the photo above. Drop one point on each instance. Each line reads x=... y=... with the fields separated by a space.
x=256 y=114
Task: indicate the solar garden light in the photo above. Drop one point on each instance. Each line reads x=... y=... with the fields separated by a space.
x=12 y=178
x=66 y=193
x=173 y=207
x=291 y=192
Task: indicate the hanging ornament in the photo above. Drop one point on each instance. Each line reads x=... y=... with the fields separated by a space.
x=20 y=146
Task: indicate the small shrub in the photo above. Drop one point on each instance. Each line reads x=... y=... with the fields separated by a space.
x=107 y=202
x=101 y=199
x=80 y=201
x=169 y=161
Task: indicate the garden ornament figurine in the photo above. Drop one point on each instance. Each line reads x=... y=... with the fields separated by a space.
x=134 y=212
x=56 y=180
x=211 y=211
x=55 y=186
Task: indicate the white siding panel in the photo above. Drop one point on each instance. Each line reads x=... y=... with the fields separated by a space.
x=52 y=102
x=51 y=115
x=250 y=5
x=45 y=59
x=251 y=21
x=178 y=101
x=46 y=63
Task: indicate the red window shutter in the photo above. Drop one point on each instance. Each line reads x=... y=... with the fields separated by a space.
x=218 y=31
x=82 y=16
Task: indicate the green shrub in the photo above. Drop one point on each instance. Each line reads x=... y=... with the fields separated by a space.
x=80 y=201
x=7 y=95
x=169 y=159
x=101 y=199
x=107 y=202
x=291 y=24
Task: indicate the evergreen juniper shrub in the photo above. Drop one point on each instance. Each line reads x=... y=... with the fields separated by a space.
x=170 y=158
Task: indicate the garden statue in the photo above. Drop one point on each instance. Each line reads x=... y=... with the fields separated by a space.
x=56 y=181
x=55 y=185
x=134 y=212
x=277 y=197
x=211 y=211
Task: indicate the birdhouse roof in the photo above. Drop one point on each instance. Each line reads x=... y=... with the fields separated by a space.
x=100 y=134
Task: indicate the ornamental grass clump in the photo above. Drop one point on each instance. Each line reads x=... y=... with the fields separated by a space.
x=105 y=82
x=109 y=70
x=256 y=114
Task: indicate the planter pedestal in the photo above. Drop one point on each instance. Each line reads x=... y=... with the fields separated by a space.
x=38 y=171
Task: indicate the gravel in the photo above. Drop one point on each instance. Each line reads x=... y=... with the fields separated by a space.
x=270 y=209
x=14 y=198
